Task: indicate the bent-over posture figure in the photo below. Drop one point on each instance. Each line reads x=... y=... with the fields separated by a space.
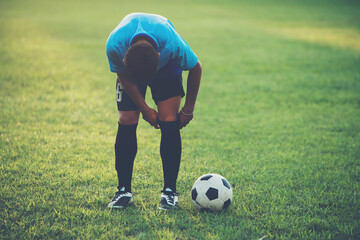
x=145 y=50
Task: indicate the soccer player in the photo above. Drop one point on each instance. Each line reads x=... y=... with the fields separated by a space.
x=145 y=50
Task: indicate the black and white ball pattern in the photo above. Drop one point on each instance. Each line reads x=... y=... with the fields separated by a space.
x=211 y=192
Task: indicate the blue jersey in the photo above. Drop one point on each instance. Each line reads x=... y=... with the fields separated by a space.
x=173 y=49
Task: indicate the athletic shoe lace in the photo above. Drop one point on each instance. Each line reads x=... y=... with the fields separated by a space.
x=170 y=197
x=119 y=194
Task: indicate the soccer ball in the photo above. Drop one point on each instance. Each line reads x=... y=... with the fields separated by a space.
x=211 y=192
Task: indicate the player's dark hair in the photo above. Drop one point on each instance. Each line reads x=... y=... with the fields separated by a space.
x=141 y=61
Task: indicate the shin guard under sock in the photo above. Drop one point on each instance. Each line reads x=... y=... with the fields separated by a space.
x=170 y=151
x=125 y=152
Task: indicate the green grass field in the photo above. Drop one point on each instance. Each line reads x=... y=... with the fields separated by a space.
x=278 y=114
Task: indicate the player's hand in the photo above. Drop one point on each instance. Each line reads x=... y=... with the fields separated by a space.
x=185 y=118
x=151 y=116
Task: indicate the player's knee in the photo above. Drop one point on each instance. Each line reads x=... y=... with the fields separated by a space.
x=127 y=120
x=128 y=117
x=168 y=118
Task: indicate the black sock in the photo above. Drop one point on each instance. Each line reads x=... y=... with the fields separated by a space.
x=170 y=151
x=125 y=152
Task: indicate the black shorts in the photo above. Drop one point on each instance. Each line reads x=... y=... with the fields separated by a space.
x=162 y=88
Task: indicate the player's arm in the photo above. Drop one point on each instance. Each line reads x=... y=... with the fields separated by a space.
x=193 y=84
x=149 y=114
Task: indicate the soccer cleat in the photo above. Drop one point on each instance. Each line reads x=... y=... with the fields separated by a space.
x=169 y=200
x=121 y=199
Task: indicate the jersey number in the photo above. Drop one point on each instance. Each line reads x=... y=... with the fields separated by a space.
x=119 y=91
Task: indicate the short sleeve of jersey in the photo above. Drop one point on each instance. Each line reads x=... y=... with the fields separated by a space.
x=115 y=61
x=183 y=55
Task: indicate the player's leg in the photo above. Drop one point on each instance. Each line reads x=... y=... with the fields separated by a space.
x=167 y=91
x=170 y=145
x=170 y=149
x=125 y=147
